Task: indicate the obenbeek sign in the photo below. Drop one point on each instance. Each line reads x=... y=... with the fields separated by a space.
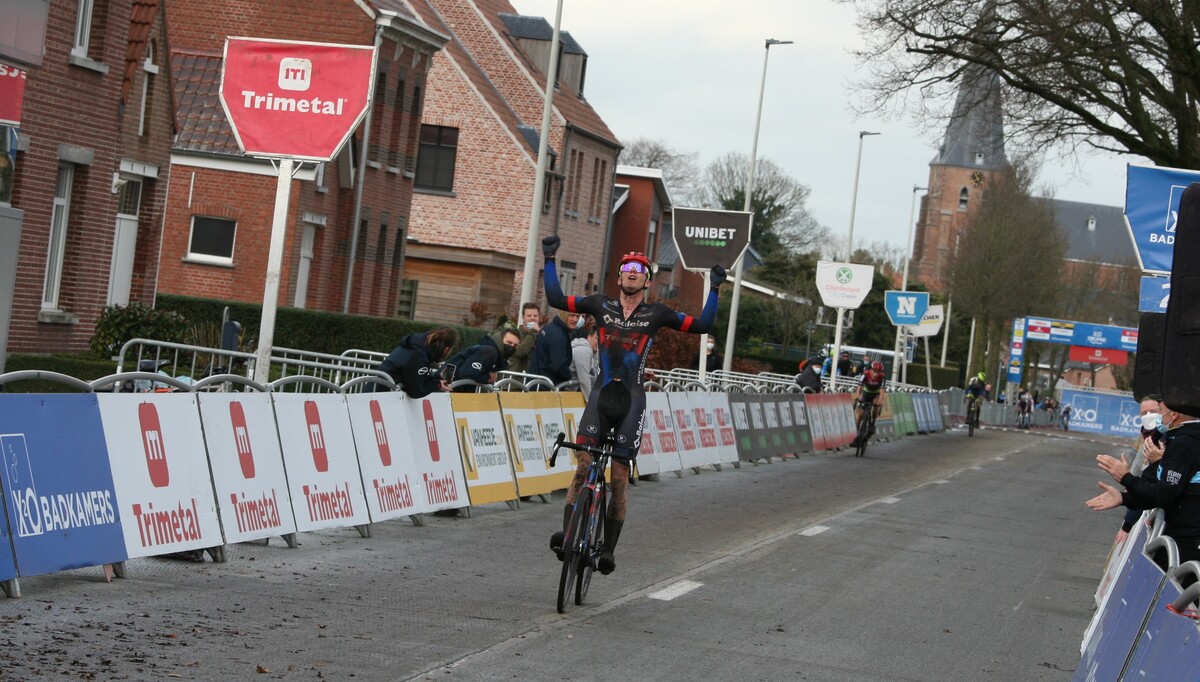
x=294 y=99
x=707 y=237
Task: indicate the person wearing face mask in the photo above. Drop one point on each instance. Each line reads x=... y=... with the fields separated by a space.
x=714 y=359
x=552 y=352
x=1175 y=487
x=1149 y=452
x=480 y=362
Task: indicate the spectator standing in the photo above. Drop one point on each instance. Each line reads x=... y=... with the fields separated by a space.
x=714 y=359
x=585 y=361
x=412 y=364
x=480 y=362
x=528 y=328
x=552 y=352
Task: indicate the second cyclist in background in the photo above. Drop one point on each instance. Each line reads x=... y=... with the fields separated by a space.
x=870 y=391
x=1024 y=407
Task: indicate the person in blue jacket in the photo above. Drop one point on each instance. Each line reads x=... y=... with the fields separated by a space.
x=480 y=362
x=552 y=352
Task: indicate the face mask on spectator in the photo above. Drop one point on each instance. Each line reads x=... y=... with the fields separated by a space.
x=1151 y=420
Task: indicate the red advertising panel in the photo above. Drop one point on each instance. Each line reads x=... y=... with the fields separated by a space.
x=241 y=439
x=152 y=443
x=295 y=99
x=431 y=431
x=1099 y=356
x=12 y=94
x=316 y=436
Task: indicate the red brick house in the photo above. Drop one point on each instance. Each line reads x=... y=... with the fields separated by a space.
x=88 y=192
x=221 y=203
x=478 y=162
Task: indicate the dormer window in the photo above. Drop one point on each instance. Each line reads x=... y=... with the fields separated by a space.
x=978 y=158
x=1091 y=223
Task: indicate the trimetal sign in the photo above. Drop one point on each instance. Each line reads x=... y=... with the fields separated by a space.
x=294 y=99
x=1098 y=356
x=12 y=94
x=844 y=285
x=1152 y=210
x=706 y=237
x=905 y=307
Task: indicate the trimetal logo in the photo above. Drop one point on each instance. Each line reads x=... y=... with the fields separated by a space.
x=295 y=73
x=316 y=436
x=381 y=439
x=241 y=439
x=152 y=443
x=431 y=431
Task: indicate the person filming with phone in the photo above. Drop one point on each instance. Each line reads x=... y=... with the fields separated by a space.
x=413 y=364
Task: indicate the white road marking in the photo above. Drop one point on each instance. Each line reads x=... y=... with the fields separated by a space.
x=814 y=530
x=941 y=481
x=677 y=590
x=890 y=500
x=977 y=468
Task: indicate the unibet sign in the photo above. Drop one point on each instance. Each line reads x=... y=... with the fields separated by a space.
x=291 y=99
x=706 y=237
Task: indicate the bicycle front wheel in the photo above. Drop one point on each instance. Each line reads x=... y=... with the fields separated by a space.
x=588 y=562
x=574 y=548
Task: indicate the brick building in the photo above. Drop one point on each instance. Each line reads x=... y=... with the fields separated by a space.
x=221 y=203
x=476 y=174
x=88 y=192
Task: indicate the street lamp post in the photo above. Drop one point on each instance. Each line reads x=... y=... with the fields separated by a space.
x=837 y=336
x=731 y=333
x=908 y=245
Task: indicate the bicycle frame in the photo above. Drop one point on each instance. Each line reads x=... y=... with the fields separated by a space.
x=583 y=539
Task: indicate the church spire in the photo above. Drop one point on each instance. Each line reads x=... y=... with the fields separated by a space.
x=975 y=136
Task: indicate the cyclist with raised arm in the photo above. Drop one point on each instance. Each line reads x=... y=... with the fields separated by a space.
x=626 y=325
x=870 y=392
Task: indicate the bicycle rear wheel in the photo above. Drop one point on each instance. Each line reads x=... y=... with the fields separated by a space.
x=574 y=548
x=588 y=562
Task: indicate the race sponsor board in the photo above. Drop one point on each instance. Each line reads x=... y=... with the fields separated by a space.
x=1016 y=351
x=1153 y=294
x=1104 y=413
x=57 y=485
x=483 y=445
x=160 y=472
x=666 y=444
x=247 y=465
x=707 y=237
x=739 y=409
x=386 y=456
x=435 y=448
x=726 y=435
x=1098 y=356
x=1152 y=196
x=931 y=322
x=532 y=422
x=905 y=308
x=319 y=453
x=694 y=451
x=844 y=285
x=801 y=420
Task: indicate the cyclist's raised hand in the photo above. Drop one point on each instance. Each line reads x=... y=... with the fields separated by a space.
x=717 y=276
x=550 y=245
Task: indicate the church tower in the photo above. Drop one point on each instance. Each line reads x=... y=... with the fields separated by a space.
x=971 y=154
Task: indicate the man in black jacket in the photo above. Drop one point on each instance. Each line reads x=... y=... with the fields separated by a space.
x=412 y=364
x=1176 y=490
x=552 y=352
x=480 y=362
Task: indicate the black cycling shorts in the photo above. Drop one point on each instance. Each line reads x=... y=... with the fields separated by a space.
x=614 y=408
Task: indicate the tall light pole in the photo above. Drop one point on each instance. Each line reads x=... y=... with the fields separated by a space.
x=539 y=183
x=908 y=246
x=837 y=336
x=739 y=265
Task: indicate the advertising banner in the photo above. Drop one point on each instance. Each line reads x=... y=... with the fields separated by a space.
x=665 y=442
x=706 y=425
x=801 y=420
x=533 y=421
x=1153 y=294
x=1152 y=211
x=572 y=404
x=740 y=410
x=1113 y=415
x=484 y=447
x=815 y=403
x=160 y=472
x=905 y=307
x=707 y=237
x=1016 y=350
x=844 y=285
x=12 y=94
x=774 y=431
x=57 y=485
x=386 y=458
x=726 y=436
x=1098 y=356
x=758 y=426
x=247 y=465
x=324 y=480
x=435 y=449
x=691 y=452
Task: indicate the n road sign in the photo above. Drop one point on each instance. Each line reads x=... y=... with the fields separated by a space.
x=905 y=307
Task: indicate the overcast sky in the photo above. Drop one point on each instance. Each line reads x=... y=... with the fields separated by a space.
x=687 y=72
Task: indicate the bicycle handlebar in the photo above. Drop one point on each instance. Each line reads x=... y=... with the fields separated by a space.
x=561 y=442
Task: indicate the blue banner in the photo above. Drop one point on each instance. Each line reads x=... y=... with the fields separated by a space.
x=1112 y=415
x=1104 y=336
x=57 y=483
x=1152 y=209
x=905 y=307
x=1016 y=351
x=1152 y=297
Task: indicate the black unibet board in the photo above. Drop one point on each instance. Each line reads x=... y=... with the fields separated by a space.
x=707 y=237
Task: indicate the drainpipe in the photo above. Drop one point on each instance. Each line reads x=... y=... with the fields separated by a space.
x=358 y=190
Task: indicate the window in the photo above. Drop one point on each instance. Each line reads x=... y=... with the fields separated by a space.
x=58 y=237
x=435 y=161
x=599 y=172
x=381 y=239
x=212 y=240
x=376 y=151
x=83 y=28
x=8 y=153
x=963 y=199
x=566 y=277
x=396 y=145
x=151 y=70
x=129 y=199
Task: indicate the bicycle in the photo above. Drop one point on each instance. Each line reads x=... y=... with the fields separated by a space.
x=866 y=424
x=1023 y=418
x=584 y=538
x=972 y=416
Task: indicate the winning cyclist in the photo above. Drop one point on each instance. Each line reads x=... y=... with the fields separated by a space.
x=626 y=326
x=870 y=390
x=975 y=389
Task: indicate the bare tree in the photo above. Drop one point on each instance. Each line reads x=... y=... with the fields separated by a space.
x=1118 y=75
x=681 y=172
x=1008 y=262
x=781 y=219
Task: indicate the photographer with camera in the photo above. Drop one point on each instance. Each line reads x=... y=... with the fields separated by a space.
x=413 y=364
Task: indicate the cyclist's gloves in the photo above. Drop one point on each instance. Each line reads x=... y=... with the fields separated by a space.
x=550 y=246
x=717 y=276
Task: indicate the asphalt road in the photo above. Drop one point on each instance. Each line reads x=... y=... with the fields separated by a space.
x=933 y=558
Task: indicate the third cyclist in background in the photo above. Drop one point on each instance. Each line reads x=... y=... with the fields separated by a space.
x=870 y=390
